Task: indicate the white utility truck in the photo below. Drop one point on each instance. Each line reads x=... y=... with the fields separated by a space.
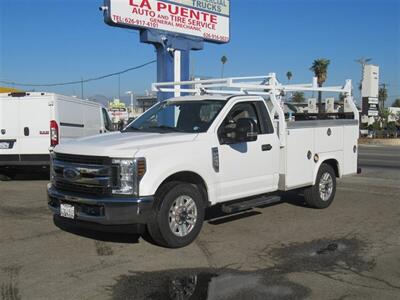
x=230 y=144
x=30 y=123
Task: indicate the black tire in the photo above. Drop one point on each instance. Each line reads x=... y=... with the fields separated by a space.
x=159 y=224
x=312 y=194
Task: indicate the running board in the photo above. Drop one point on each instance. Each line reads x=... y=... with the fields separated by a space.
x=246 y=204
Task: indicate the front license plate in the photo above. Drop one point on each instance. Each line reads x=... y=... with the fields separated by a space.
x=4 y=145
x=67 y=211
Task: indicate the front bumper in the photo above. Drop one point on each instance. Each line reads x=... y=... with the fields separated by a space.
x=104 y=211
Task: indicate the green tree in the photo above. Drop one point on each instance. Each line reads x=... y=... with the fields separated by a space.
x=396 y=103
x=298 y=97
x=224 y=60
x=289 y=75
x=384 y=116
x=382 y=96
x=320 y=69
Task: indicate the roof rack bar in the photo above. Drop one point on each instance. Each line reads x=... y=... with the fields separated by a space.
x=245 y=85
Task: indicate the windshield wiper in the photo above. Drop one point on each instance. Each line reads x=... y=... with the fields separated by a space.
x=131 y=128
x=166 y=128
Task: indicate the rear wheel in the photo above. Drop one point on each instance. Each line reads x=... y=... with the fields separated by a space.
x=322 y=193
x=178 y=216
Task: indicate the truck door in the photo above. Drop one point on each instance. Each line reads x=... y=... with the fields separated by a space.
x=70 y=117
x=35 y=114
x=9 y=125
x=248 y=168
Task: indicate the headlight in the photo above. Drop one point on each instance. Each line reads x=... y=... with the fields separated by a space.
x=130 y=172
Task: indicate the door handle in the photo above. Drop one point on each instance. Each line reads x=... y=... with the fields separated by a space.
x=266 y=147
x=26 y=131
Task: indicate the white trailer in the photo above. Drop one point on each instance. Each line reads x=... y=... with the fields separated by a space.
x=31 y=123
x=230 y=144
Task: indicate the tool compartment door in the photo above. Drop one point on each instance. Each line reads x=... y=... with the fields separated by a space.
x=328 y=139
x=299 y=158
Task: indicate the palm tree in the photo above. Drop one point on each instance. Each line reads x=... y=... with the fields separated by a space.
x=320 y=69
x=298 y=97
x=224 y=59
x=289 y=75
x=382 y=96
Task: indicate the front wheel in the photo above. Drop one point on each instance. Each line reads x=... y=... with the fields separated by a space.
x=322 y=193
x=178 y=216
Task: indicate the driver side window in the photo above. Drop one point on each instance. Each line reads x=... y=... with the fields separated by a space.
x=239 y=111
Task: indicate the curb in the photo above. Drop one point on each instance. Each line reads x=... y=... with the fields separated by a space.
x=386 y=142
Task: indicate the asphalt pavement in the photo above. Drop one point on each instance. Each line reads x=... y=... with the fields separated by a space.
x=284 y=251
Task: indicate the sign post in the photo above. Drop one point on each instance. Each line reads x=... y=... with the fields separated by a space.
x=174 y=27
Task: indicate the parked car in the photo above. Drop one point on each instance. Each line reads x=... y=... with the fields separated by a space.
x=33 y=123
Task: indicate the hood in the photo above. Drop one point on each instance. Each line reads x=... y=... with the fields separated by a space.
x=121 y=145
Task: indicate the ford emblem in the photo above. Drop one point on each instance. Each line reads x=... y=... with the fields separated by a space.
x=71 y=173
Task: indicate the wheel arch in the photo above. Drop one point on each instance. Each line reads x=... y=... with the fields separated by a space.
x=188 y=177
x=333 y=162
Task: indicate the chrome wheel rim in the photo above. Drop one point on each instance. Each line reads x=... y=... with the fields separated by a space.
x=182 y=215
x=325 y=186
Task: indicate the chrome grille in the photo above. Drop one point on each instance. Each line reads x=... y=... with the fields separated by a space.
x=83 y=174
x=83 y=159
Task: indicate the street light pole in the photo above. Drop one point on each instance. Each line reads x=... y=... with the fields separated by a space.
x=132 y=94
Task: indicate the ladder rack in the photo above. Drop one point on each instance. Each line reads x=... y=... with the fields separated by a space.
x=267 y=86
x=252 y=85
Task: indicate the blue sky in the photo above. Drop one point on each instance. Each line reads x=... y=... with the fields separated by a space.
x=58 y=40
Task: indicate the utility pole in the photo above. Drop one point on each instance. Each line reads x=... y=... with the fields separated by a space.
x=119 y=86
x=82 y=88
x=132 y=94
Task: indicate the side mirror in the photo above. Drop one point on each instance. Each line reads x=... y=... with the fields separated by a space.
x=244 y=131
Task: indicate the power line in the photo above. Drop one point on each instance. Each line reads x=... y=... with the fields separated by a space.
x=79 y=81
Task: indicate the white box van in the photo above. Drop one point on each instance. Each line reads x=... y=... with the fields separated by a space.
x=31 y=123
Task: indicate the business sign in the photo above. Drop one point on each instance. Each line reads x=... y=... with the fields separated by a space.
x=370 y=83
x=373 y=113
x=370 y=106
x=208 y=19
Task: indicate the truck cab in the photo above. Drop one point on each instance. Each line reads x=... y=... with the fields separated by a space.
x=162 y=173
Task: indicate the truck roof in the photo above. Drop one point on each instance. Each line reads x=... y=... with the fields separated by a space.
x=45 y=96
x=33 y=94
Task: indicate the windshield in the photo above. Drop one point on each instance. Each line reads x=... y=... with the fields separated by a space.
x=180 y=116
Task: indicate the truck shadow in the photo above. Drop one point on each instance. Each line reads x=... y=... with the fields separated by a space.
x=116 y=237
x=24 y=174
x=295 y=198
x=214 y=216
